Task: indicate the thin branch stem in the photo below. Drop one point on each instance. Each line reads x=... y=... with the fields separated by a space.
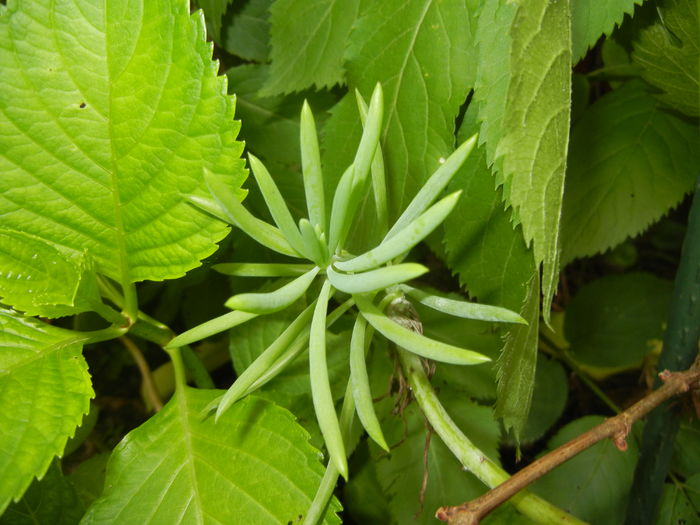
x=616 y=428
x=466 y=452
x=149 y=386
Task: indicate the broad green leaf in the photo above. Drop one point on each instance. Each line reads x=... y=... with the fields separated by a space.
x=51 y=501
x=420 y=52
x=45 y=389
x=536 y=130
x=593 y=485
x=669 y=51
x=248 y=34
x=310 y=53
x=213 y=11
x=686 y=454
x=401 y=474
x=592 y=19
x=39 y=279
x=415 y=342
x=675 y=507
x=517 y=363
x=612 y=322
x=164 y=471
x=629 y=162
x=107 y=117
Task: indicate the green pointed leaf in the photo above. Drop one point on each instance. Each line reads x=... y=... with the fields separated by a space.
x=465 y=309
x=414 y=342
x=130 y=110
x=164 y=471
x=402 y=241
x=669 y=52
x=262 y=269
x=214 y=10
x=248 y=35
x=266 y=303
x=421 y=53
x=591 y=19
x=51 y=501
x=308 y=54
x=630 y=162
x=39 y=279
x=45 y=381
x=607 y=473
x=211 y=327
x=536 y=125
x=311 y=168
x=375 y=279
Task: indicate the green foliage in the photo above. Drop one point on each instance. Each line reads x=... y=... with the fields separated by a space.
x=120 y=162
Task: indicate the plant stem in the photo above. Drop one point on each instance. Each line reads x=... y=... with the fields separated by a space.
x=179 y=366
x=616 y=428
x=469 y=455
x=196 y=368
x=149 y=386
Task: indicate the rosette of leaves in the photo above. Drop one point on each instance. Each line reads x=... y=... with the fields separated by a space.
x=364 y=284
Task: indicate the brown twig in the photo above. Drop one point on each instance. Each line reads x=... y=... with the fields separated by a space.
x=149 y=386
x=616 y=428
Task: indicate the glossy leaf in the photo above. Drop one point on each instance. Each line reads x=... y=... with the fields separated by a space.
x=163 y=471
x=402 y=241
x=375 y=279
x=629 y=162
x=45 y=381
x=131 y=110
x=414 y=342
x=266 y=303
x=320 y=386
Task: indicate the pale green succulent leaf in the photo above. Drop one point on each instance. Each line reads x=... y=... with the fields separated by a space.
x=211 y=327
x=265 y=303
x=374 y=280
x=263 y=269
x=311 y=168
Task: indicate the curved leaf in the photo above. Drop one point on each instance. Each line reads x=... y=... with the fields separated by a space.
x=164 y=471
x=375 y=279
x=45 y=381
x=266 y=303
x=107 y=117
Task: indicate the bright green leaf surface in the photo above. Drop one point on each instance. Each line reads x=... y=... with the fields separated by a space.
x=248 y=34
x=38 y=279
x=420 y=52
x=668 y=53
x=612 y=322
x=45 y=389
x=629 y=162
x=593 y=485
x=591 y=19
x=107 y=115
x=536 y=125
x=180 y=468
x=51 y=501
x=310 y=53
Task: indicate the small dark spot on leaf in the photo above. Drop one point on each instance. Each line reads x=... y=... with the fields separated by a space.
x=83 y=105
x=632 y=195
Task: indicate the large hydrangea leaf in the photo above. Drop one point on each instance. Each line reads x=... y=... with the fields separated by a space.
x=44 y=390
x=109 y=111
x=255 y=465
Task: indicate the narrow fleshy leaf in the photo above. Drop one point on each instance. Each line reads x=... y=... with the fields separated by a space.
x=275 y=203
x=211 y=327
x=164 y=471
x=437 y=182
x=45 y=389
x=402 y=241
x=108 y=114
x=266 y=303
x=311 y=168
x=262 y=232
x=341 y=209
x=262 y=269
x=375 y=279
x=361 y=391
x=312 y=244
x=258 y=367
x=370 y=137
x=320 y=386
x=414 y=342
x=38 y=278
x=465 y=309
